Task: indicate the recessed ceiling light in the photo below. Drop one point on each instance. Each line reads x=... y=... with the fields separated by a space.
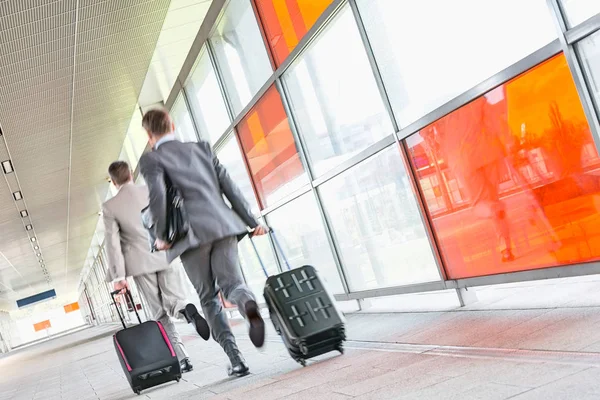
x=33 y=240
x=24 y=213
x=7 y=166
x=29 y=227
x=41 y=261
x=17 y=195
x=39 y=254
x=35 y=247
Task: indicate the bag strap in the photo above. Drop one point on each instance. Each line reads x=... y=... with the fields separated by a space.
x=128 y=295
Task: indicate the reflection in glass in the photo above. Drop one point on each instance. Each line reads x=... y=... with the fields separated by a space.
x=299 y=230
x=338 y=115
x=286 y=22
x=241 y=53
x=460 y=44
x=578 y=11
x=269 y=146
x=184 y=127
x=589 y=51
x=206 y=100
x=377 y=224
x=511 y=179
x=230 y=156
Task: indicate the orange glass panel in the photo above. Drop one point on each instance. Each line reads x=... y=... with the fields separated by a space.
x=269 y=147
x=512 y=179
x=40 y=326
x=71 y=307
x=286 y=22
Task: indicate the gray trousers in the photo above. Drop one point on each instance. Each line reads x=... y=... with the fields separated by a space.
x=165 y=297
x=212 y=267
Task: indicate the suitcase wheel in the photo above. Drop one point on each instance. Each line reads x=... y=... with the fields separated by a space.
x=137 y=391
x=303 y=349
x=340 y=348
x=178 y=379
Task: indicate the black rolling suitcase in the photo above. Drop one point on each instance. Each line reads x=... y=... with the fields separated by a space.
x=302 y=311
x=145 y=352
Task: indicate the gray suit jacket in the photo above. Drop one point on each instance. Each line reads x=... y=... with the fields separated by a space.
x=202 y=180
x=126 y=240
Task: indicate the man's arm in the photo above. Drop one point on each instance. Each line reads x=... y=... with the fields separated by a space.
x=112 y=240
x=154 y=175
x=232 y=191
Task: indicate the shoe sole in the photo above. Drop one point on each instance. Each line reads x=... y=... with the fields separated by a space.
x=238 y=374
x=199 y=322
x=257 y=326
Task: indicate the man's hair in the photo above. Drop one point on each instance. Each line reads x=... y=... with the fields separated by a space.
x=157 y=122
x=119 y=172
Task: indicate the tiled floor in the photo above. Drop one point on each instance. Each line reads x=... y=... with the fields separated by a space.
x=517 y=354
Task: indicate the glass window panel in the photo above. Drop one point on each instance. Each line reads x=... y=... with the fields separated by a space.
x=253 y=273
x=137 y=134
x=511 y=179
x=184 y=127
x=300 y=232
x=124 y=156
x=589 y=51
x=206 y=100
x=140 y=180
x=286 y=22
x=578 y=11
x=458 y=46
x=131 y=156
x=377 y=224
x=241 y=53
x=269 y=146
x=338 y=115
x=231 y=157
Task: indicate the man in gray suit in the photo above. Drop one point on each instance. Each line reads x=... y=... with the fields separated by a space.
x=209 y=252
x=128 y=251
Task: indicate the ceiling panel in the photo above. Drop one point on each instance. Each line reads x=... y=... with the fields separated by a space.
x=179 y=31
x=71 y=73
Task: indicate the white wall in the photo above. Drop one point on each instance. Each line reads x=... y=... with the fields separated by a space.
x=24 y=319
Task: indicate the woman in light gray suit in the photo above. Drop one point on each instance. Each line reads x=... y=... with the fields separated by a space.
x=126 y=243
x=209 y=252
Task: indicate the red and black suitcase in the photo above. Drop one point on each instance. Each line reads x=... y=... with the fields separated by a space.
x=145 y=352
x=303 y=312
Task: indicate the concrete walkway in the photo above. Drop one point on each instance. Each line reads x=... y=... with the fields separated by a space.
x=501 y=354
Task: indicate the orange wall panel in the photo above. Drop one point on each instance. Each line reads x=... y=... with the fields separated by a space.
x=512 y=179
x=71 y=307
x=269 y=146
x=285 y=22
x=40 y=326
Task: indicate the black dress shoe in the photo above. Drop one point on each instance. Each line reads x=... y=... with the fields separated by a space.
x=238 y=365
x=192 y=315
x=186 y=365
x=257 y=324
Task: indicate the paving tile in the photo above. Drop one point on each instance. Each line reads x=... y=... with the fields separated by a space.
x=89 y=369
x=390 y=386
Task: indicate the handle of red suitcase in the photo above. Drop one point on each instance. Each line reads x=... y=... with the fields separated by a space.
x=278 y=248
x=128 y=294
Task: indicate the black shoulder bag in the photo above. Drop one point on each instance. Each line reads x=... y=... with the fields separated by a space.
x=177 y=219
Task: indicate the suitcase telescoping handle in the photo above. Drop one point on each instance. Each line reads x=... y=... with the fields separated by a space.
x=278 y=248
x=128 y=294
